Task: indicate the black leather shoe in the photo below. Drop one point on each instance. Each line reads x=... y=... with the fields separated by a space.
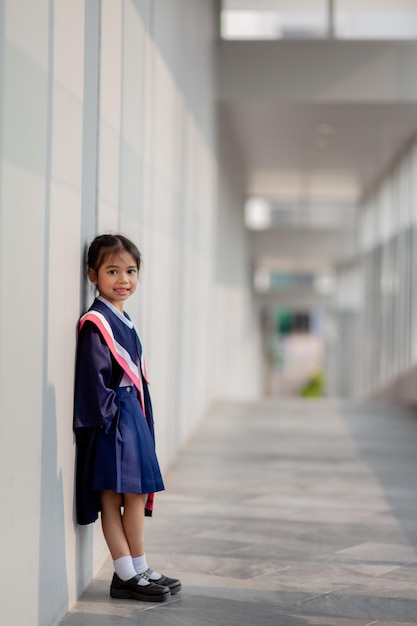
x=130 y=589
x=173 y=584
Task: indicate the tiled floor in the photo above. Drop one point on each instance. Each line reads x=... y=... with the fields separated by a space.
x=283 y=513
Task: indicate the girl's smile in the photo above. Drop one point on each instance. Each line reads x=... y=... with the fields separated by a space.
x=117 y=278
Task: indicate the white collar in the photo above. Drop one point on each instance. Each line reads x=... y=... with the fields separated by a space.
x=111 y=306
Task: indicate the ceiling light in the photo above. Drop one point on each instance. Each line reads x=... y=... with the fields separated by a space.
x=257 y=214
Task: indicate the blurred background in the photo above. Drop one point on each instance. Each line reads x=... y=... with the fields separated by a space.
x=263 y=156
x=327 y=134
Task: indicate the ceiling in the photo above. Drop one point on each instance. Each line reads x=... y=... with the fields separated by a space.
x=312 y=152
x=322 y=120
x=317 y=125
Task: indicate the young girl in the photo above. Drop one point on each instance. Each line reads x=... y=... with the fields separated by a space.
x=117 y=468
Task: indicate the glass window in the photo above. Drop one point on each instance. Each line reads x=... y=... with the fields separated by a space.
x=309 y=19
x=375 y=19
x=273 y=19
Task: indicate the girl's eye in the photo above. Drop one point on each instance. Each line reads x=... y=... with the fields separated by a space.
x=131 y=272
x=112 y=272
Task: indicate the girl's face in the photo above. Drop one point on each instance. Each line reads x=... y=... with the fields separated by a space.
x=116 y=279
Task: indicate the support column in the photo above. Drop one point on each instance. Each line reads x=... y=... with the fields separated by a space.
x=330 y=19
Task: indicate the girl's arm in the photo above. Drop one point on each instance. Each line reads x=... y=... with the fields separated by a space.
x=96 y=378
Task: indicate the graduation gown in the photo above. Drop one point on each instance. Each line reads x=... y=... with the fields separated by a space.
x=105 y=351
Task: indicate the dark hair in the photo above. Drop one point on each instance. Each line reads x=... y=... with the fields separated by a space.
x=104 y=245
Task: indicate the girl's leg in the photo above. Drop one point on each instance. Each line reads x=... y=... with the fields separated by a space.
x=134 y=522
x=112 y=524
x=124 y=533
x=134 y=526
x=115 y=533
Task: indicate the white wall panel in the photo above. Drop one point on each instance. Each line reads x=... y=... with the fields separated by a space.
x=68 y=41
x=24 y=100
x=64 y=253
x=67 y=128
x=26 y=26
x=22 y=352
x=111 y=61
x=23 y=161
x=109 y=166
x=108 y=122
x=110 y=113
x=108 y=217
x=133 y=70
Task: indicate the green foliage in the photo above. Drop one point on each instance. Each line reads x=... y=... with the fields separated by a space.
x=314 y=387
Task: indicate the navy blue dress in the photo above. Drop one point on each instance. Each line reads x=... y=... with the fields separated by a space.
x=114 y=435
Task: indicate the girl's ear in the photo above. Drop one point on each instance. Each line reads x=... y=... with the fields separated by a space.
x=92 y=275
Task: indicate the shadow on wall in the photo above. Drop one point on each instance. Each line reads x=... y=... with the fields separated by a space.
x=84 y=556
x=53 y=587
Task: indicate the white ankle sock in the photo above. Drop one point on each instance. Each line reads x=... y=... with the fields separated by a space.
x=141 y=565
x=124 y=567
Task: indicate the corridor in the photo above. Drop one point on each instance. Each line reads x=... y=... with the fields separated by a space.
x=284 y=513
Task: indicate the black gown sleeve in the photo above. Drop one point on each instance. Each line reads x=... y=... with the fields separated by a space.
x=97 y=376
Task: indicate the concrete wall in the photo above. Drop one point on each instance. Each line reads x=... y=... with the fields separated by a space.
x=236 y=331
x=107 y=122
